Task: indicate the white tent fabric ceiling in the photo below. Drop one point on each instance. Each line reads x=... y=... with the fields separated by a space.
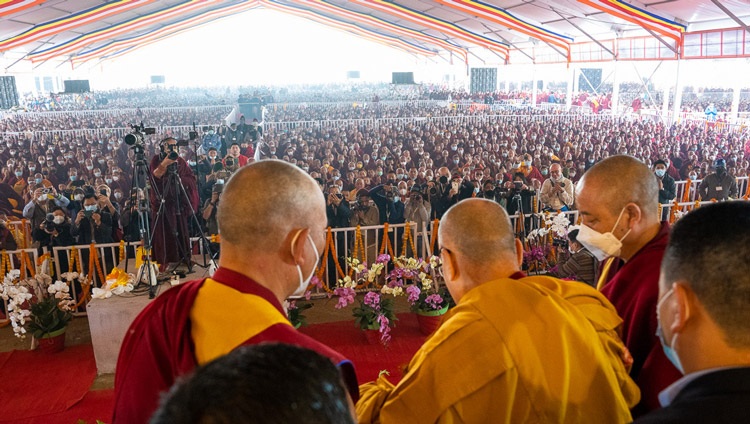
x=573 y=20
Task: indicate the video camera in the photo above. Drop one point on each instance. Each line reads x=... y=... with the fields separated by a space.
x=136 y=137
x=49 y=222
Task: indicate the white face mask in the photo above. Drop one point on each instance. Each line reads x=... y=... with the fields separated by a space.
x=601 y=245
x=304 y=282
x=78 y=197
x=59 y=220
x=42 y=198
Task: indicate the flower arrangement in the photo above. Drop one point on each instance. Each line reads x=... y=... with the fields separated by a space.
x=426 y=295
x=118 y=282
x=539 y=254
x=374 y=311
x=294 y=313
x=37 y=303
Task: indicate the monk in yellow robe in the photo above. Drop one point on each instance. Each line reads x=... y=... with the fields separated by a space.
x=515 y=348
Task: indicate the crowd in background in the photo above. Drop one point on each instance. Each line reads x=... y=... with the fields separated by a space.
x=389 y=160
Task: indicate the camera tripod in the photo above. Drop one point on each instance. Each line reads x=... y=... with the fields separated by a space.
x=174 y=191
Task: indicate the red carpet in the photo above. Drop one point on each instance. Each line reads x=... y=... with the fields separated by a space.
x=38 y=388
x=35 y=384
x=370 y=359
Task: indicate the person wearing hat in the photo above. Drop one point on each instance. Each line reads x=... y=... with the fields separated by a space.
x=364 y=211
x=719 y=185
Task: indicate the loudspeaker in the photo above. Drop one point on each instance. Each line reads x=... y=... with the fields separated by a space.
x=592 y=80
x=77 y=86
x=483 y=80
x=157 y=79
x=8 y=92
x=352 y=74
x=402 y=78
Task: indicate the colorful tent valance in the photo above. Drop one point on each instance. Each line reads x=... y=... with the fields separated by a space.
x=382 y=24
x=67 y=23
x=437 y=24
x=640 y=17
x=8 y=7
x=507 y=19
x=108 y=33
x=115 y=47
x=352 y=28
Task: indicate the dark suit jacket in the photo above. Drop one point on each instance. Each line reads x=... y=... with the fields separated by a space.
x=716 y=398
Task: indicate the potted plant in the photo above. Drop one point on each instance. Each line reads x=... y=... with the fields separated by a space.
x=375 y=315
x=294 y=312
x=40 y=305
x=428 y=300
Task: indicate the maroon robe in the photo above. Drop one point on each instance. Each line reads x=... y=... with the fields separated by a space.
x=165 y=244
x=634 y=291
x=158 y=347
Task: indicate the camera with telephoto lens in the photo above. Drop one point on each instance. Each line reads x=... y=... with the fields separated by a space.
x=49 y=222
x=229 y=161
x=136 y=137
x=560 y=243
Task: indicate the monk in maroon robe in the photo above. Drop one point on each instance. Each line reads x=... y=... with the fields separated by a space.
x=171 y=235
x=620 y=195
x=267 y=254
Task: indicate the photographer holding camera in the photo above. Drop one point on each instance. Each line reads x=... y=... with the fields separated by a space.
x=580 y=265
x=170 y=232
x=45 y=198
x=54 y=231
x=519 y=194
x=388 y=200
x=234 y=159
x=437 y=193
x=417 y=209
x=557 y=191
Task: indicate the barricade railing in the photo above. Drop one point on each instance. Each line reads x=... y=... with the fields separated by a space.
x=77 y=259
x=21 y=231
x=13 y=260
x=692 y=186
x=125 y=111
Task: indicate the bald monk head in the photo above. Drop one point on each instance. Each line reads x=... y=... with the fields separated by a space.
x=620 y=195
x=272 y=219
x=477 y=245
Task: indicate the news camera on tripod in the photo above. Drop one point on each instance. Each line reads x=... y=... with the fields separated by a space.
x=173 y=203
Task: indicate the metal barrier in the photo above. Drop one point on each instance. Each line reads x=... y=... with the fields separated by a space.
x=21 y=231
x=742 y=183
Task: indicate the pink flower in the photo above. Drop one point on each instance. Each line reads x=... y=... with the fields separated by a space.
x=346 y=296
x=372 y=299
x=435 y=301
x=385 y=329
x=384 y=258
x=413 y=293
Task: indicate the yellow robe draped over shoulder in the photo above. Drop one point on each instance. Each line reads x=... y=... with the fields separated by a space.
x=534 y=350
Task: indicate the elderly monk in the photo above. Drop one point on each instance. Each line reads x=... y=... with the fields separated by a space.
x=618 y=203
x=515 y=348
x=271 y=241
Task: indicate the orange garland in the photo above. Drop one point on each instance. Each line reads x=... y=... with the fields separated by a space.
x=24 y=223
x=433 y=236
x=75 y=266
x=358 y=245
x=686 y=193
x=5 y=263
x=408 y=240
x=672 y=212
x=330 y=248
x=122 y=252
x=386 y=242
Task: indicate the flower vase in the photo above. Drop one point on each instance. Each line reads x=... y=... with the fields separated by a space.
x=372 y=334
x=52 y=342
x=429 y=321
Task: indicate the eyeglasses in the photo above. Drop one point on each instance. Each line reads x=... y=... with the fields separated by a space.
x=440 y=253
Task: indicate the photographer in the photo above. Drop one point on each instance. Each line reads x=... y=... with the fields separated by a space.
x=460 y=189
x=92 y=225
x=170 y=232
x=417 y=209
x=129 y=218
x=581 y=265
x=235 y=160
x=210 y=208
x=54 y=231
x=490 y=192
x=364 y=211
x=517 y=192
x=557 y=191
x=44 y=199
x=337 y=209
x=390 y=206
x=437 y=193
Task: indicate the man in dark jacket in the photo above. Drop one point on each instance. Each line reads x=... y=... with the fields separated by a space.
x=704 y=316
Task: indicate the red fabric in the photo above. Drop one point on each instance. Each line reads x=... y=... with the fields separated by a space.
x=158 y=346
x=634 y=291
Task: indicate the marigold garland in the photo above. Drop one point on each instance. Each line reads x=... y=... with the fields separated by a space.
x=5 y=262
x=358 y=252
x=121 y=257
x=686 y=193
x=330 y=248
x=408 y=241
x=434 y=234
x=386 y=242
x=673 y=211
x=24 y=224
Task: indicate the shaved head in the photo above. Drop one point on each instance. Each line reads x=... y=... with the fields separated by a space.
x=619 y=180
x=264 y=201
x=479 y=230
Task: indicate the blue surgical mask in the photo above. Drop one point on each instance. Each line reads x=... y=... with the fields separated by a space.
x=90 y=208
x=660 y=172
x=669 y=351
x=219 y=181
